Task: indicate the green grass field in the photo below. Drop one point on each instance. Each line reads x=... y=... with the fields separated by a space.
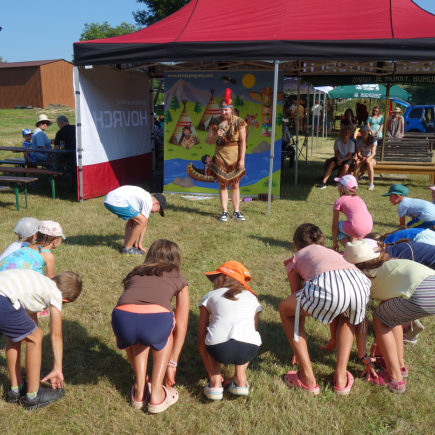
x=98 y=376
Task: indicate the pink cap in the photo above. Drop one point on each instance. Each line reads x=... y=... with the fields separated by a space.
x=348 y=181
x=51 y=228
x=431 y=187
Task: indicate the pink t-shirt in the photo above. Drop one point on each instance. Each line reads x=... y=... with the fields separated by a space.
x=359 y=220
x=313 y=260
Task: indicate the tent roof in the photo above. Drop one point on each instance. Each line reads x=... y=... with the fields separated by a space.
x=273 y=29
x=376 y=91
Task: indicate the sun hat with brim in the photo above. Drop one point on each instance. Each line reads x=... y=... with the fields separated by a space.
x=235 y=270
x=397 y=109
x=26 y=227
x=162 y=201
x=42 y=118
x=51 y=228
x=348 y=181
x=397 y=189
x=431 y=187
x=359 y=251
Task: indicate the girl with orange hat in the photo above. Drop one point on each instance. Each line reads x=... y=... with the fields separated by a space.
x=227 y=330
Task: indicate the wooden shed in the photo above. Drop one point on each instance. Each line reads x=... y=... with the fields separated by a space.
x=36 y=84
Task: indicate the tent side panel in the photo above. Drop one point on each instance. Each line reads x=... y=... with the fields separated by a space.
x=20 y=87
x=104 y=177
x=57 y=84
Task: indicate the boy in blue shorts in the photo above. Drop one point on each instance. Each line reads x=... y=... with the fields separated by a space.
x=23 y=293
x=422 y=212
x=134 y=205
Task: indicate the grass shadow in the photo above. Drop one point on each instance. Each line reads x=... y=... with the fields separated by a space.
x=270 y=241
x=114 y=241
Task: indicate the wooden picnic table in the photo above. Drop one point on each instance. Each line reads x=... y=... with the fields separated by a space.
x=35 y=171
x=17 y=184
x=23 y=162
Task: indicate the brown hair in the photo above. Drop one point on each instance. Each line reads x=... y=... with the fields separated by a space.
x=70 y=284
x=345 y=191
x=383 y=245
x=373 y=235
x=234 y=287
x=308 y=234
x=163 y=256
x=373 y=110
x=346 y=127
x=366 y=266
x=43 y=239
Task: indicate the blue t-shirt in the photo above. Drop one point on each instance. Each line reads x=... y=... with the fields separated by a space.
x=417 y=208
x=40 y=140
x=30 y=155
x=419 y=252
x=403 y=234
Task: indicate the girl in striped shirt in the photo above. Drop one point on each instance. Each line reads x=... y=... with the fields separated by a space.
x=332 y=288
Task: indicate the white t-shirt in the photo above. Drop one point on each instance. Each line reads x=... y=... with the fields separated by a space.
x=344 y=149
x=36 y=292
x=132 y=196
x=317 y=110
x=231 y=320
x=12 y=248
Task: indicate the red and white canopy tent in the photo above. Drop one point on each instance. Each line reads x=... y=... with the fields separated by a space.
x=397 y=41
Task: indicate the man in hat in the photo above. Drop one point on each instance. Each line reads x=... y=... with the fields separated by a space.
x=422 y=212
x=40 y=139
x=134 y=205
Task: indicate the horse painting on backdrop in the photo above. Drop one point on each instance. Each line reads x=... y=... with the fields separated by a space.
x=251 y=123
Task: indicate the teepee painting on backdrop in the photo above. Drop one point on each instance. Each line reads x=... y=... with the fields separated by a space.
x=210 y=112
x=184 y=133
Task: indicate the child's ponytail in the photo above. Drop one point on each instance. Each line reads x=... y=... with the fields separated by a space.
x=43 y=240
x=234 y=287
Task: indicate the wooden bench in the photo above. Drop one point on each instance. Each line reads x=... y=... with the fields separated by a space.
x=406 y=168
x=18 y=184
x=35 y=171
x=23 y=162
x=406 y=150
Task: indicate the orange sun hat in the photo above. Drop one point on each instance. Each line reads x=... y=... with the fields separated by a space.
x=235 y=270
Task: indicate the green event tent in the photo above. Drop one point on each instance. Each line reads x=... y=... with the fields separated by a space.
x=369 y=91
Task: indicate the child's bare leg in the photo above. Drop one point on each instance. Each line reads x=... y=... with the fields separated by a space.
x=344 y=170
x=13 y=358
x=345 y=333
x=240 y=375
x=371 y=171
x=388 y=346
x=287 y=309
x=215 y=373
x=398 y=336
x=140 y=354
x=361 y=337
x=328 y=172
x=160 y=364
x=344 y=240
x=128 y=229
x=137 y=226
x=332 y=343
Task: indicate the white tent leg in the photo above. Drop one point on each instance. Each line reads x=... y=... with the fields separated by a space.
x=312 y=122
x=79 y=130
x=272 y=138
x=297 y=130
x=152 y=108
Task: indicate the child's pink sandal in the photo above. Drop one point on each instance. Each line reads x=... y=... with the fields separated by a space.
x=292 y=380
x=345 y=390
x=385 y=380
x=380 y=361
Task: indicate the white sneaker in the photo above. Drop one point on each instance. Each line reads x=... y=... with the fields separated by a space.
x=214 y=393
x=371 y=186
x=238 y=216
x=224 y=217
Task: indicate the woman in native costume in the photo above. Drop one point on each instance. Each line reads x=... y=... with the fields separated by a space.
x=228 y=132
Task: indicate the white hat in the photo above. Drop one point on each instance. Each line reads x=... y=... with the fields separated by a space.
x=51 y=228
x=42 y=118
x=26 y=227
x=359 y=251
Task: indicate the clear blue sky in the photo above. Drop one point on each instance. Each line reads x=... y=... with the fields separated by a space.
x=41 y=31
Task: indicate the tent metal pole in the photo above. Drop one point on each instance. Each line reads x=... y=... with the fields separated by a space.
x=272 y=138
x=384 y=130
x=308 y=119
x=312 y=123
x=297 y=130
x=323 y=117
x=79 y=131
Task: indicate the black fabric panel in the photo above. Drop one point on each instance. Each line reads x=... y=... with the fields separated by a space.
x=384 y=49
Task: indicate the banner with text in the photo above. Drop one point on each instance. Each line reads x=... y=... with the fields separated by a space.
x=115 y=129
x=191 y=101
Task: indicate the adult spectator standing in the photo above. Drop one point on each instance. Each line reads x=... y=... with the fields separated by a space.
x=67 y=134
x=376 y=122
x=134 y=205
x=329 y=117
x=396 y=125
x=362 y=114
x=317 y=111
x=298 y=112
x=40 y=139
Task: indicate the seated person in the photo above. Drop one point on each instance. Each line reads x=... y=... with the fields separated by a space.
x=344 y=149
x=27 y=136
x=349 y=121
x=40 y=139
x=67 y=134
x=365 y=154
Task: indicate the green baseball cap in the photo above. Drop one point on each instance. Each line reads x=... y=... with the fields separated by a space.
x=397 y=189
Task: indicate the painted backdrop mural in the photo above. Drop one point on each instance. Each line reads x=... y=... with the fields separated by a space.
x=191 y=101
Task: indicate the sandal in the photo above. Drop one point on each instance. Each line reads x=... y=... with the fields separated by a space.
x=214 y=393
x=132 y=251
x=170 y=399
x=239 y=391
x=292 y=380
x=385 y=380
x=344 y=391
x=146 y=399
x=381 y=363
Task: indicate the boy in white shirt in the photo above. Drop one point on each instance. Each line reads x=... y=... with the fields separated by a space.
x=134 y=205
x=23 y=293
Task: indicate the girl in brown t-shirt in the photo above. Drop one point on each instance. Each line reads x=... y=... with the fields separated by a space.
x=143 y=319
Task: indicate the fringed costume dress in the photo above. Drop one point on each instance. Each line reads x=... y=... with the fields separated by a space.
x=226 y=156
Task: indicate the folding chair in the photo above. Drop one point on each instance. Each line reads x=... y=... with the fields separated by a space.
x=301 y=149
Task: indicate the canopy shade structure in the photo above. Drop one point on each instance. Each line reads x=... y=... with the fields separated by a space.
x=291 y=87
x=369 y=91
x=204 y=30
